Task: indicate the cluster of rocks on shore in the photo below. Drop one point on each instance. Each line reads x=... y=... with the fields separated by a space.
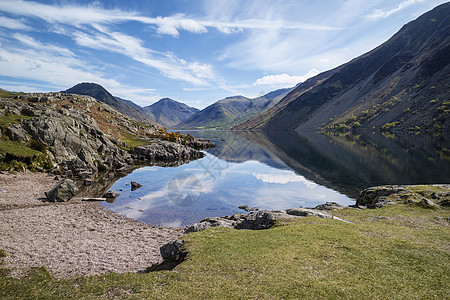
x=78 y=148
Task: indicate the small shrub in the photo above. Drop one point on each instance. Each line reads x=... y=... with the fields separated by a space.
x=38 y=146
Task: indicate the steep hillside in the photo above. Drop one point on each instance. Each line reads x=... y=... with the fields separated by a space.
x=231 y=111
x=101 y=94
x=400 y=86
x=134 y=105
x=168 y=112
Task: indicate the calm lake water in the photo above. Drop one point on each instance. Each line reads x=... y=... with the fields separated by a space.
x=278 y=171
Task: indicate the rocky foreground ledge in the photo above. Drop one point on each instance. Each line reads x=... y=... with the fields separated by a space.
x=427 y=196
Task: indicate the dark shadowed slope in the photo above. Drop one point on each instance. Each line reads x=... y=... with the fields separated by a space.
x=401 y=85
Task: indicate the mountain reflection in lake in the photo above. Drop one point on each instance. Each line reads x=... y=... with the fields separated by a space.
x=277 y=171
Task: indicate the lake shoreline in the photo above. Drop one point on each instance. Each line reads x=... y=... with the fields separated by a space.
x=78 y=238
x=73 y=238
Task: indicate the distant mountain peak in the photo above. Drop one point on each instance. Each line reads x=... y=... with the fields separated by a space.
x=169 y=112
x=231 y=111
x=101 y=94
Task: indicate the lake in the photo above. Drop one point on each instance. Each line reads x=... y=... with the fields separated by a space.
x=278 y=171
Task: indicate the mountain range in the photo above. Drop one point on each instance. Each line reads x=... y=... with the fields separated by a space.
x=401 y=85
x=165 y=112
x=232 y=111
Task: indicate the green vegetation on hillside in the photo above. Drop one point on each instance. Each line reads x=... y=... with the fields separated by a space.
x=398 y=252
x=17 y=156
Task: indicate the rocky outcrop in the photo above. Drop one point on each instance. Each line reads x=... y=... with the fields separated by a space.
x=329 y=206
x=166 y=151
x=64 y=191
x=76 y=145
x=429 y=196
x=257 y=220
x=201 y=144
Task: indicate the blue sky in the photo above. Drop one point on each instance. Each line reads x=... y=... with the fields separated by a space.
x=196 y=52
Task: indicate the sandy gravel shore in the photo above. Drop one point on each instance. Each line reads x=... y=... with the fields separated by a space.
x=71 y=239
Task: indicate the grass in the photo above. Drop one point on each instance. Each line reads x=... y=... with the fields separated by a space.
x=11 y=119
x=21 y=155
x=397 y=252
x=16 y=149
x=131 y=140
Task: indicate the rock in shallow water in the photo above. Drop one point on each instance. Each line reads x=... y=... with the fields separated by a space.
x=135 y=185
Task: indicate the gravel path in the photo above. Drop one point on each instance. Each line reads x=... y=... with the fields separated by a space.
x=71 y=239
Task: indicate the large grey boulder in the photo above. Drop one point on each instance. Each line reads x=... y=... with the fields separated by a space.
x=210 y=222
x=172 y=250
x=329 y=206
x=16 y=133
x=64 y=191
x=377 y=196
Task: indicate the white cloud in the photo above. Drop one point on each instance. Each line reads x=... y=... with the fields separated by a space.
x=378 y=13
x=78 y=15
x=167 y=63
x=32 y=43
x=41 y=66
x=13 y=24
x=86 y=15
x=284 y=79
x=171 y=25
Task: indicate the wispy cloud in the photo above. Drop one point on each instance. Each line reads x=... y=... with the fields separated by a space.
x=32 y=64
x=32 y=43
x=379 y=13
x=167 y=63
x=78 y=15
x=13 y=24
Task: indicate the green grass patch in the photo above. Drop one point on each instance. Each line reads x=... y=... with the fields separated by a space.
x=132 y=141
x=6 y=94
x=398 y=252
x=5 y=121
x=16 y=149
